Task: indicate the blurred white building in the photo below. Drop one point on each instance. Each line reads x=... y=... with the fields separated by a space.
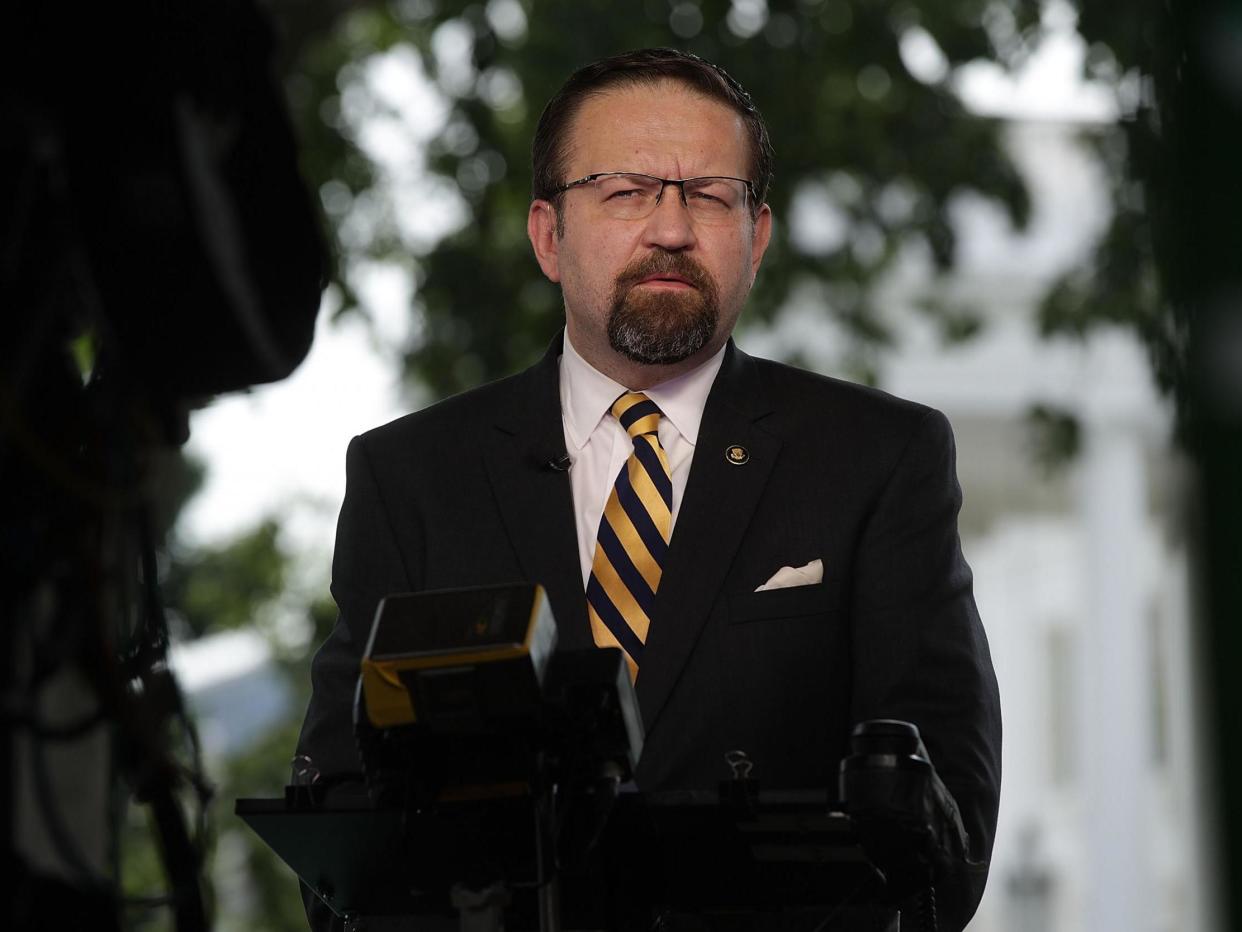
x=1082 y=581
x=1080 y=573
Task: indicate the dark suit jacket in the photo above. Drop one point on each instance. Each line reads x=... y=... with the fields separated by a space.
x=460 y=494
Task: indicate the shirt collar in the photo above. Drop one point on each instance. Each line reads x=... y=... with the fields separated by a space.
x=587 y=394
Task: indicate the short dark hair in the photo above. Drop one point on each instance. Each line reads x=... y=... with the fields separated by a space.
x=645 y=66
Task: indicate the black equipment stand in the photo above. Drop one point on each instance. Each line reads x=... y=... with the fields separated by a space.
x=494 y=796
x=699 y=862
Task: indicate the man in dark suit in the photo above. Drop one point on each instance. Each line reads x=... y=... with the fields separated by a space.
x=779 y=556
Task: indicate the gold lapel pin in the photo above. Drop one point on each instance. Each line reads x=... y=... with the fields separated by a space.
x=737 y=454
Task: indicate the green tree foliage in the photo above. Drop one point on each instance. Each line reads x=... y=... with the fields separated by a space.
x=263 y=892
x=1119 y=283
x=246 y=582
x=227 y=586
x=255 y=890
x=859 y=117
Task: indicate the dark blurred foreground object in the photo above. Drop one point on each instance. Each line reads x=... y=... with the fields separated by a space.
x=150 y=162
x=1194 y=187
x=498 y=792
x=157 y=246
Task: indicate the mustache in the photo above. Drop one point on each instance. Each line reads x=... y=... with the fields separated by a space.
x=664 y=263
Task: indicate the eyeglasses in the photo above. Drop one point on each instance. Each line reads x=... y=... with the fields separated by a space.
x=633 y=196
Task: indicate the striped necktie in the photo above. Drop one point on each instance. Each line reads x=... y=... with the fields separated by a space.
x=633 y=536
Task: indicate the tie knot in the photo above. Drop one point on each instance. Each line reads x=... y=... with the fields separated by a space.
x=637 y=413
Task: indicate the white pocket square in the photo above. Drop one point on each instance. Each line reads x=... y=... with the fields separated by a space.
x=788 y=576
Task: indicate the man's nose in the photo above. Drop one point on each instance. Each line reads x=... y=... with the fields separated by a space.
x=670 y=225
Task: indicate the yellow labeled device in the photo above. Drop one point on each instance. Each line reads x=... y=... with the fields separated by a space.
x=459 y=660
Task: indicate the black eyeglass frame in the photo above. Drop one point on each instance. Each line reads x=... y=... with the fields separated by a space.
x=664 y=182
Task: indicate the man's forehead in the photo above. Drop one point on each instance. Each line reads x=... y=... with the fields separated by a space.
x=651 y=115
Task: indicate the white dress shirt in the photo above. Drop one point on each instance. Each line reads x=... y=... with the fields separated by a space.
x=599 y=445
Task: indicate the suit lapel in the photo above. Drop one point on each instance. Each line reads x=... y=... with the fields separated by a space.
x=535 y=500
x=719 y=499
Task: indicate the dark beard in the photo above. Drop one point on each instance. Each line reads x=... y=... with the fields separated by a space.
x=663 y=327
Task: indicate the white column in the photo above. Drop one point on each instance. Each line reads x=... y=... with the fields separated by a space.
x=1115 y=757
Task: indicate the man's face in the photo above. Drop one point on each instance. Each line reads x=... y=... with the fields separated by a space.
x=669 y=287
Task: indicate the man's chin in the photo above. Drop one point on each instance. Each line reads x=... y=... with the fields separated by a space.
x=661 y=328
x=650 y=354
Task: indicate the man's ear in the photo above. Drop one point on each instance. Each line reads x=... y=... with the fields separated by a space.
x=760 y=238
x=541 y=228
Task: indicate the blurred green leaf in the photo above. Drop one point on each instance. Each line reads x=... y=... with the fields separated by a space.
x=227 y=586
x=1055 y=436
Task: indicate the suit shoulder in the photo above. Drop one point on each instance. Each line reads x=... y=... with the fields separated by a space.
x=810 y=393
x=456 y=416
x=818 y=416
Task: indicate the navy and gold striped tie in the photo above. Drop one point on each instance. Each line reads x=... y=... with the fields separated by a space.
x=633 y=536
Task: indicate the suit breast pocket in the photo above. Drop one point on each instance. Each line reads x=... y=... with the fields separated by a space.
x=790 y=602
